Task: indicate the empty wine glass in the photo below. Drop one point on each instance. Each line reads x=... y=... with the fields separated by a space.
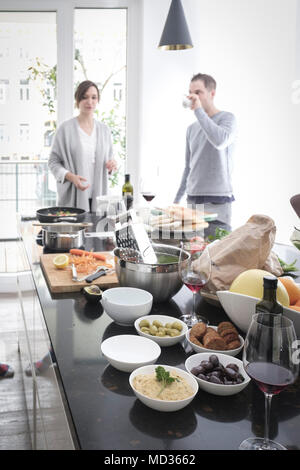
x=116 y=206
x=269 y=360
x=195 y=272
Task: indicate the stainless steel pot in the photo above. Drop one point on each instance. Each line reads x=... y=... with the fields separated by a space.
x=161 y=280
x=62 y=238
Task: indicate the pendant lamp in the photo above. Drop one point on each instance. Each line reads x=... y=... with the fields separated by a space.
x=176 y=34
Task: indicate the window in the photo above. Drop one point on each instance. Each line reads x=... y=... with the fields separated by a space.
x=24 y=134
x=4 y=91
x=100 y=56
x=3 y=134
x=24 y=90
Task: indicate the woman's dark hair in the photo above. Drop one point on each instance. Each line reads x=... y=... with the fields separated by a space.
x=82 y=89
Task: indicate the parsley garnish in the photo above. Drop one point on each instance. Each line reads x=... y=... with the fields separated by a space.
x=163 y=376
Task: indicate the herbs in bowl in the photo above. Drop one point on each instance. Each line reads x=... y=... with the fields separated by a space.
x=163 y=388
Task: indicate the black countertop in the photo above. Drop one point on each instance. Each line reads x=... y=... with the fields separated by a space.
x=105 y=412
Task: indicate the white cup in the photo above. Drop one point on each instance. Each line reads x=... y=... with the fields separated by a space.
x=186 y=102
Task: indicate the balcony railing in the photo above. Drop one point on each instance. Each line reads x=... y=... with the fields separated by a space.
x=24 y=186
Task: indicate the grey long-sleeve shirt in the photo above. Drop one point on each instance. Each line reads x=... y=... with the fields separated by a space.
x=208 y=157
x=66 y=154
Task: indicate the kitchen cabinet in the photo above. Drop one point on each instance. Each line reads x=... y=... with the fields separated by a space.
x=48 y=422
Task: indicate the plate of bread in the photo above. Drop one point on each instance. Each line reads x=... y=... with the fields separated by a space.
x=178 y=219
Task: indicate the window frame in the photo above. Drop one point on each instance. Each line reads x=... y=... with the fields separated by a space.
x=64 y=10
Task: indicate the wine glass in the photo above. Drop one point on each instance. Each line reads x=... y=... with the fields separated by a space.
x=147 y=188
x=268 y=359
x=116 y=206
x=195 y=271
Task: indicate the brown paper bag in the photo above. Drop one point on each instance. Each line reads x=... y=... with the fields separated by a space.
x=247 y=247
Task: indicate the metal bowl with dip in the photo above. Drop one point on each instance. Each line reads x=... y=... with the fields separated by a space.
x=162 y=279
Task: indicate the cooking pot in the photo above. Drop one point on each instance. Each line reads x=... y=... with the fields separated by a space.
x=161 y=280
x=62 y=239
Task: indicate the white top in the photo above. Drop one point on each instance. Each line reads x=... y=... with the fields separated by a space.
x=88 y=144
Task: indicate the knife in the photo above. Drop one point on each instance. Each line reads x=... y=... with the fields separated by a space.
x=74 y=273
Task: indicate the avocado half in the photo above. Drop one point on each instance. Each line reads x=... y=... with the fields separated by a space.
x=92 y=293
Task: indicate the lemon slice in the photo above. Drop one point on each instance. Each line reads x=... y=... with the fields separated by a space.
x=61 y=261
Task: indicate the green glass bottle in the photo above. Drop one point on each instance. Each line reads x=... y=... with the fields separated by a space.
x=127 y=192
x=269 y=303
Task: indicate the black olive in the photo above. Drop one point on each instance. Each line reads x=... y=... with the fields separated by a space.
x=203 y=377
x=231 y=374
x=207 y=365
x=233 y=366
x=214 y=360
x=215 y=380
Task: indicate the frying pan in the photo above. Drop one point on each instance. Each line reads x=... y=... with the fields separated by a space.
x=43 y=214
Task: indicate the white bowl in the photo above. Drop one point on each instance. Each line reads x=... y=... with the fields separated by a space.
x=125 y=304
x=240 y=309
x=166 y=340
x=199 y=349
x=218 y=389
x=164 y=405
x=128 y=352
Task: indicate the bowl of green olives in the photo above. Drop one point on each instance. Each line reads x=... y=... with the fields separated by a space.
x=164 y=330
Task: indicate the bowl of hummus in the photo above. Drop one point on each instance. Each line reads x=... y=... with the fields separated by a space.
x=162 y=387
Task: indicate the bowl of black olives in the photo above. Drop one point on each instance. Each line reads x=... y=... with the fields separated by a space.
x=218 y=374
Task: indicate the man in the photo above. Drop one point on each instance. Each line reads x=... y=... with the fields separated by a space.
x=208 y=162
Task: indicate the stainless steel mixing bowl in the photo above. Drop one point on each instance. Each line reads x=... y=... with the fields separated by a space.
x=161 y=280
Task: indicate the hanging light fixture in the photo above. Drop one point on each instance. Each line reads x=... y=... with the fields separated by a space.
x=176 y=34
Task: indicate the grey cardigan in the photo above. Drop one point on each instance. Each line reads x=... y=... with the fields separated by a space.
x=66 y=154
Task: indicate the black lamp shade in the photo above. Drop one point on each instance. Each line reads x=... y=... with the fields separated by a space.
x=176 y=34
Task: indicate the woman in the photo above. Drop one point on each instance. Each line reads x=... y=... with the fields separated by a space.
x=81 y=156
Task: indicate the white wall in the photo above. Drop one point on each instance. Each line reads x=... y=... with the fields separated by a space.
x=249 y=46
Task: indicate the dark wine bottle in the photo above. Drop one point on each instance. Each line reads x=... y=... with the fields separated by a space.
x=269 y=302
x=127 y=192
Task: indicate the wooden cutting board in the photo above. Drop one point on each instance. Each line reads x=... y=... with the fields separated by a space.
x=60 y=280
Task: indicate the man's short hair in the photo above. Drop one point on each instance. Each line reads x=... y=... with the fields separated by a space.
x=209 y=82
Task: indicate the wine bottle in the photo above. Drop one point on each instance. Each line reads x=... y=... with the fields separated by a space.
x=269 y=305
x=127 y=192
x=269 y=302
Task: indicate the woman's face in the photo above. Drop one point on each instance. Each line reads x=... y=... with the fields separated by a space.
x=89 y=101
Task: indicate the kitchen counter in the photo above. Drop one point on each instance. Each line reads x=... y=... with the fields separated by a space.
x=105 y=412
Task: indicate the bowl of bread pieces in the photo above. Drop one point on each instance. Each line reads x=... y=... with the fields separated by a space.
x=223 y=338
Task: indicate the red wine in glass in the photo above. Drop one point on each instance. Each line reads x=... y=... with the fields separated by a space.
x=270 y=378
x=148 y=196
x=193 y=283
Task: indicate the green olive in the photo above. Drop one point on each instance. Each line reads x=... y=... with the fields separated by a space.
x=168 y=325
x=144 y=323
x=157 y=323
x=153 y=330
x=177 y=325
x=174 y=332
x=161 y=334
x=144 y=329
